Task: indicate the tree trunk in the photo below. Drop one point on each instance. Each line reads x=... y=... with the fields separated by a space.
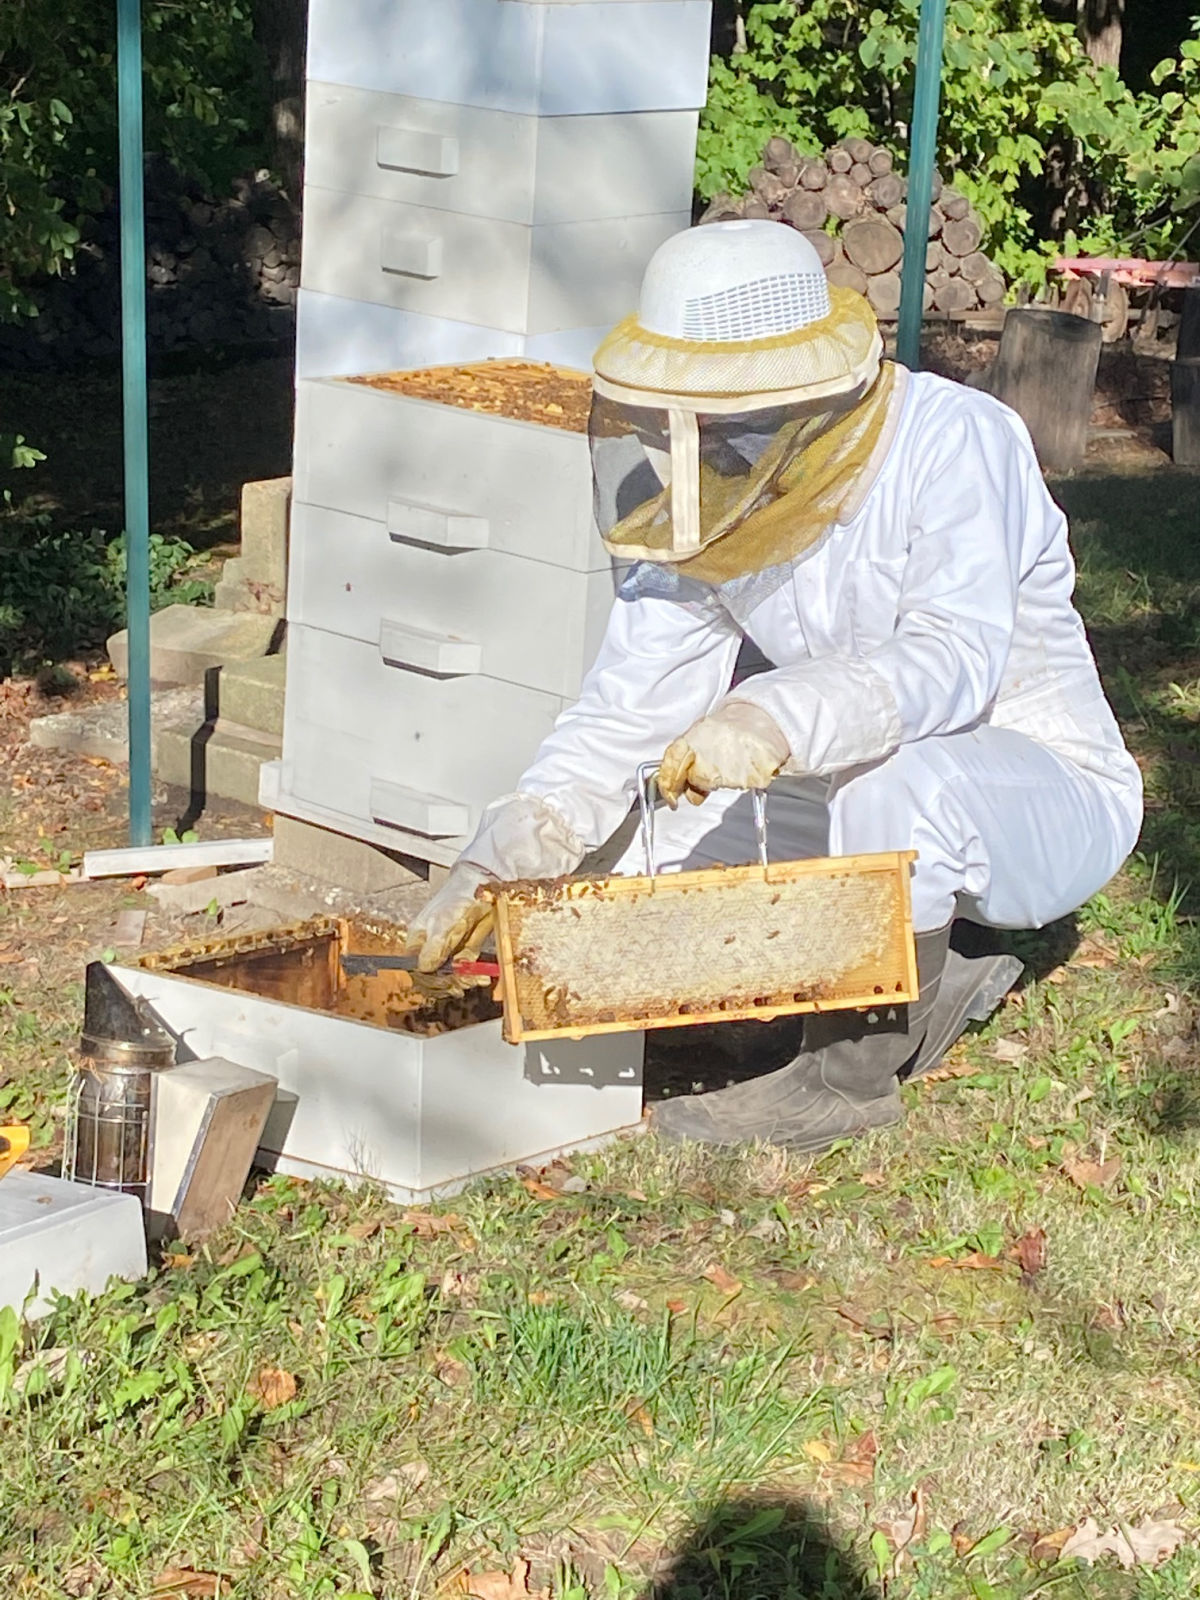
x=281 y=28
x=1101 y=26
x=1185 y=412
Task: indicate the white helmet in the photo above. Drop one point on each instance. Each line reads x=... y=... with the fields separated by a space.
x=733 y=281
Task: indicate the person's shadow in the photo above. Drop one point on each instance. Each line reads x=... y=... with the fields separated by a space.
x=762 y=1548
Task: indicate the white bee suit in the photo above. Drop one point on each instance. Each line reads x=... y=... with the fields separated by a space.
x=930 y=674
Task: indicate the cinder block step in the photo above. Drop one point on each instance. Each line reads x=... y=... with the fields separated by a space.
x=186 y=641
x=250 y=693
x=216 y=760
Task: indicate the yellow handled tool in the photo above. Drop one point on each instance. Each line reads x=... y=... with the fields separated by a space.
x=14 y=1141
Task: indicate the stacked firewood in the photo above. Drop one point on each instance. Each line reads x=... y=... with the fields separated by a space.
x=854 y=187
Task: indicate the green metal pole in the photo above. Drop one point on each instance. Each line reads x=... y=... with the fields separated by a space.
x=137 y=452
x=931 y=35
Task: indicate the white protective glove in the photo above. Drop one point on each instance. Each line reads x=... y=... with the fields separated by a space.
x=519 y=836
x=737 y=746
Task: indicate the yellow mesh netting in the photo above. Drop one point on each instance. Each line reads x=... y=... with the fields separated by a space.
x=781 y=507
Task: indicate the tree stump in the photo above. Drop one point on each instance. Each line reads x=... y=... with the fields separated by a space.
x=872 y=244
x=805 y=209
x=839 y=159
x=954 y=205
x=755 y=208
x=880 y=162
x=779 y=153
x=992 y=289
x=1045 y=369
x=885 y=191
x=1185 y=411
x=769 y=186
x=862 y=174
x=861 y=150
x=814 y=175
x=956 y=294
x=975 y=267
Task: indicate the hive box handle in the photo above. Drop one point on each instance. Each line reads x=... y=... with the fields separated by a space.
x=413 y=523
x=428 y=814
x=410 y=150
x=411 y=255
x=441 y=653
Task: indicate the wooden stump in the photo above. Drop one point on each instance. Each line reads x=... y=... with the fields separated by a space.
x=769 y=186
x=975 y=267
x=861 y=150
x=756 y=208
x=843 y=196
x=883 y=291
x=1188 y=339
x=1185 y=411
x=814 y=175
x=872 y=244
x=1045 y=369
x=823 y=244
x=885 y=191
x=992 y=289
x=962 y=237
x=956 y=294
x=954 y=205
x=847 y=276
x=779 y=153
x=839 y=159
x=862 y=174
x=880 y=162
x=805 y=209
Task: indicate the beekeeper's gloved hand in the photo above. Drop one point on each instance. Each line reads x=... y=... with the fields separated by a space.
x=520 y=836
x=737 y=746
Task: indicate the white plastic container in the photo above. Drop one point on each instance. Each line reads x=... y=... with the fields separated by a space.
x=59 y=1237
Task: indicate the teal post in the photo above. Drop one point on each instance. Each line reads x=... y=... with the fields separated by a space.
x=137 y=453
x=931 y=35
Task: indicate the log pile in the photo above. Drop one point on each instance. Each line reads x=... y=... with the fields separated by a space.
x=850 y=204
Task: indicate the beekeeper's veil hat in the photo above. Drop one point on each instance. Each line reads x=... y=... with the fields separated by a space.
x=738 y=342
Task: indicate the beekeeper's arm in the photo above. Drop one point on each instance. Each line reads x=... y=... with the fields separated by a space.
x=664 y=662
x=941 y=669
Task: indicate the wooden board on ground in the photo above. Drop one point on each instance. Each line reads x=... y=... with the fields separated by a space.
x=580 y=956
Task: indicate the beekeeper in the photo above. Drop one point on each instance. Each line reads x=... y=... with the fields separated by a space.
x=885 y=541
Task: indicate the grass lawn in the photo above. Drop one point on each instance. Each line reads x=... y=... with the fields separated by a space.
x=907 y=1368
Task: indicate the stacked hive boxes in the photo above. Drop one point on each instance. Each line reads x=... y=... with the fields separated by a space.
x=484 y=178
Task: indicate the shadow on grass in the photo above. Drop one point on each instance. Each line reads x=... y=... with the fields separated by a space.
x=763 y=1549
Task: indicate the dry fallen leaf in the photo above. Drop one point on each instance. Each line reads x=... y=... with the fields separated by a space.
x=1146 y=1545
x=722 y=1280
x=1009 y=1050
x=186 y=1582
x=636 y=1412
x=976 y=1261
x=905 y=1530
x=1030 y=1251
x=540 y=1190
x=817 y=1450
x=1048 y=1546
x=857 y=1465
x=795 y=1282
x=512 y=1585
x=272 y=1388
x=427 y=1226
x=364 y=1230
x=1092 y=1174
x=677 y=1307
x=629 y=1301
x=948 y=1071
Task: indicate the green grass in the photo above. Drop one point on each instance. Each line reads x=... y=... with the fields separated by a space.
x=700 y=1374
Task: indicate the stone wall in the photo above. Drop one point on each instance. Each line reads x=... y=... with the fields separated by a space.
x=221 y=272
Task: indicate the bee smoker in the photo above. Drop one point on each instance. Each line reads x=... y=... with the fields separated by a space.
x=110 y=1101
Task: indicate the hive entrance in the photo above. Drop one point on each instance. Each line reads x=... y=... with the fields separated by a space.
x=524 y=391
x=301 y=966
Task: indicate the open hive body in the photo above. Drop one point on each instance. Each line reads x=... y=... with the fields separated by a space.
x=588 y=956
x=485 y=179
x=410 y=1085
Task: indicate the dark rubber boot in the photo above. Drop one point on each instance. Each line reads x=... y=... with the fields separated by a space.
x=969 y=989
x=845 y=1081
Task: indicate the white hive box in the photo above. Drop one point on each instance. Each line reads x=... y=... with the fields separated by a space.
x=541 y=59
x=498 y=164
x=421 y=1115
x=349 y=576
x=337 y=337
x=502 y=275
x=59 y=1237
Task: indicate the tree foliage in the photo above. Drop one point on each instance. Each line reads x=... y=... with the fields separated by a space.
x=1026 y=115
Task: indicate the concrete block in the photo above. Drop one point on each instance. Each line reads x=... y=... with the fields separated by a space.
x=539 y=278
x=103 y=730
x=214 y=761
x=266 y=507
x=234 y=591
x=250 y=694
x=64 y=1237
x=363 y=450
x=331 y=857
x=532 y=623
x=420 y=1115
x=187 y=641
x=359 y=733
x=223 y=889
x=542 y=60
x=498 y=164
x=336 y=337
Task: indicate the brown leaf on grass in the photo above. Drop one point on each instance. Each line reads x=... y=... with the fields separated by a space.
x=1048 y=1546
x=190 y=1584
x=949 y=1071
x=540 y=1190
x=512 y=1585
x=1030 y=1252
x=722 y=1280
x=976 y=1261
x=795 y=1282
x=428 y=1226
x=677 y=1307
x=272 y=1388
x=1149 y=1544
x=636 y=1412
x=179 y=1260
x=857 y=1464
x=629 y=1300
x=900 y=1532
x=1009 y=1050
x=1092 y=1174
x=364 y=1230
